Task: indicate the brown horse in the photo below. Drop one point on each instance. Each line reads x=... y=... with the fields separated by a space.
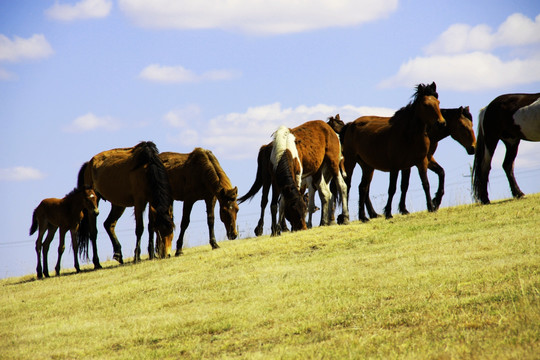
x=392 y=144
x=127 y=177
x=510 y=118
x=66 y=214
x=199 y=176
x=310 y=153
x=459 y=126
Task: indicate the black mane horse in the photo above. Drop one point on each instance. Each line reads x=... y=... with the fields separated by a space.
x=510 y=118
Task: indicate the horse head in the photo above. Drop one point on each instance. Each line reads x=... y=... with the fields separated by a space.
x=90 y=201
x=427 y=105
x=164 y=234
x=335 y=123
x=462 y=130
x=295 y=208
x=228 y=210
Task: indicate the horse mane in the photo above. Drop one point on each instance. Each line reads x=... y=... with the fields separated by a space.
x=146 y=153
x=212 y=172
x=283 y=174
x=283 y=140
x=421 y=91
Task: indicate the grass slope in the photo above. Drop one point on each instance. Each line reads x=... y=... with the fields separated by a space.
x=460 y=283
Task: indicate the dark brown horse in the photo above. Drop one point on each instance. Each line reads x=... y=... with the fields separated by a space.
x=199 y=176
x=459 y=126
x=309 y=153
x=127 y=177
x=510 y=118
x=392 y=144
x=66 y=214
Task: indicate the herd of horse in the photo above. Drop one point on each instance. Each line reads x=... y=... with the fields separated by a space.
x=318 y=156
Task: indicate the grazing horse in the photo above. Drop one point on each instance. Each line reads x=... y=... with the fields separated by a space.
x=199 y=176
x=127 y=177
x=510 y=118
x=311 y=153
x=66 y=214
x=459 y=126
x=263 y=179
x=392 y=144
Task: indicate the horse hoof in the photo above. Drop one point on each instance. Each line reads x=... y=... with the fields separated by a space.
x=364 y=219
x=118 y=257
x=178 y=252
x=98 y=266
x=388 y=216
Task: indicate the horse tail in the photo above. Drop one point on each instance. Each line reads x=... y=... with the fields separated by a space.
x=160 y=188
x=34 y=226
x=477 y=181
x=262 y=173
x=83 y=234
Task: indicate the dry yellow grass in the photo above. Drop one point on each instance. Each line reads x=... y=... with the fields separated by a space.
x=460 y=283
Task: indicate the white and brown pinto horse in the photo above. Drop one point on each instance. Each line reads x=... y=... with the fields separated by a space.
x=309 y=153
x=510 y=118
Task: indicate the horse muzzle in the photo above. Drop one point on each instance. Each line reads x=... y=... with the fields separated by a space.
x=471 y=150
x=96 y=211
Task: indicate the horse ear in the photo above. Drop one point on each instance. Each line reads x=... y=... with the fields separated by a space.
x=337 y=117
x=234 y=192
x=433 y=86
x=467 y=109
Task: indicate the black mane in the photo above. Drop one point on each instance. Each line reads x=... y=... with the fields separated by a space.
x=421 y=91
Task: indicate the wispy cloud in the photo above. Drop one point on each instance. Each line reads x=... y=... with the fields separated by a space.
x=256 y=16
x=240 y=135
x=516 y=30
x=91 y=122
x=85 y=9
x=19 y=49
x=179 y=74
x=460 y=58
x=20 y=173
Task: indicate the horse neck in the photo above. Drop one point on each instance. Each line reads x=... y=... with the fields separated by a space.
x=74 y=203
x=215 y=177
x=408 y=122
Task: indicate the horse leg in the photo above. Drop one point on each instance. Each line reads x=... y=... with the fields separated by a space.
x=74 y=246
x=210 y=205
x=422 y=171
x=311 y=205
x=139 y=230
x=186 y=213
x=276 y=230
x=405 y=177
x=369 y=207
x=39 y=246
x=110 y=224
x=437 y=169
x=489 y=150
x=264 y=201
x=61 y=248
x=93 y=237
x=50 y=235
x=343 y=219
x=326 y=196
x=151 y=251
x=363 y=191
x=391 y=192
x=508 y=166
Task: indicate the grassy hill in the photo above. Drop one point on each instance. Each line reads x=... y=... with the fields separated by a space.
x=460 y=283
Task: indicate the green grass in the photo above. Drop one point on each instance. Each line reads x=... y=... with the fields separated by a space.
x=460 y=283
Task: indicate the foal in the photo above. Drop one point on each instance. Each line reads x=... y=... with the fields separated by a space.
x=66 y=214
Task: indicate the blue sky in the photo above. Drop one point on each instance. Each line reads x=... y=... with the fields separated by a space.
x=80 y=77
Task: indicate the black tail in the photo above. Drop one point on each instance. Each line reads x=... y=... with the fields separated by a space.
x=83 y=237
x=263 y=160
x=34 y=226
x=478 y=184
x=160 y=188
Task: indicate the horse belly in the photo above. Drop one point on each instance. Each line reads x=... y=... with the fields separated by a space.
x=528 y=119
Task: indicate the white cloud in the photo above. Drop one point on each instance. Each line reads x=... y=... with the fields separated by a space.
x=256 y=16
x=90 y=122
x=466 y=72
x=20 y=173
x=18 y=49
x=6 y=75
x=85 y=9
x=179 y=74
x=240 y=135
x=516 y=30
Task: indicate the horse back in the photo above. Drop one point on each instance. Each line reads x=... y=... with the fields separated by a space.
x=53 y=211
x=116 y=176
